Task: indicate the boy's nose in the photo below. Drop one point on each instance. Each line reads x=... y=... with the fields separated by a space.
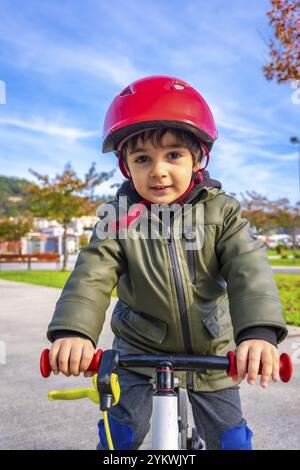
x=158 y=170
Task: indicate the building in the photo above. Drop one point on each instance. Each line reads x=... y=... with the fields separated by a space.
x=47 y=237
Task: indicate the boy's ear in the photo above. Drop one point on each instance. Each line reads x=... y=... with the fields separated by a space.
x=197 y=166
x=126 y=168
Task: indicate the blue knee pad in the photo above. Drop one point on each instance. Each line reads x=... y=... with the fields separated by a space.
x=122 y=435
x=238 y=438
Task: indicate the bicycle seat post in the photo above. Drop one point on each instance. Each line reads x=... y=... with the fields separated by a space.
x=165 y=413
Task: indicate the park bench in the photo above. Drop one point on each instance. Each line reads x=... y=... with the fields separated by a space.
x=30 y=258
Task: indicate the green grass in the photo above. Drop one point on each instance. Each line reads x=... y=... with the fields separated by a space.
x=287 y=252
x=289 y=292
x=288 y=286
x=41 y=278
x=284 y=262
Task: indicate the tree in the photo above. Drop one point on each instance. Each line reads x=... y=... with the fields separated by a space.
x=284 y=51
x=287 y=216
x=65 y=197
x=264 y=214
x=256 y=209
x=13 y=229
x=13 y=194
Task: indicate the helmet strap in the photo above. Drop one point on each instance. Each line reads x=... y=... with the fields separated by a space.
x=199 y=177
x=122 y=166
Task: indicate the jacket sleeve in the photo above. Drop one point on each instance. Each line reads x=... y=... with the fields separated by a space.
x=266 y=333
x=252 y=291
x=87 y=293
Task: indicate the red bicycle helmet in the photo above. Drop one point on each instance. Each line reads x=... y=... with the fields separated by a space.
x=157 y=101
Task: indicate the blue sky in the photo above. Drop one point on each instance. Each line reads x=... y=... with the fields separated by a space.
x=63 y=62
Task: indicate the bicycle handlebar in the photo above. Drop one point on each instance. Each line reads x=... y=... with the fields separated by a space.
x=177 y=362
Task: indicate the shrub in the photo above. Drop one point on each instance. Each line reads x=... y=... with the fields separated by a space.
x=280 y=248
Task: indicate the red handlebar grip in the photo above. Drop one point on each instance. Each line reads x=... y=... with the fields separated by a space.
x=285 y=366
x=95 y=362
x=46 y=369
x=44 y=364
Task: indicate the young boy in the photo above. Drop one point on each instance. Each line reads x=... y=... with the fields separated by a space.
x=174 y=297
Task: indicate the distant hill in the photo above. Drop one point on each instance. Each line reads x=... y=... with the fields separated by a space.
x=13 y=192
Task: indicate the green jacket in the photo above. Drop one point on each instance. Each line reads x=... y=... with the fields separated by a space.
x=173 y=299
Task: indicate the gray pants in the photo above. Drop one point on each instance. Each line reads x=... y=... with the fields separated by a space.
x=213 y=412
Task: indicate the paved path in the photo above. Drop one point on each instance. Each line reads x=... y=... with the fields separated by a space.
x=30 y=421
x=286 y=269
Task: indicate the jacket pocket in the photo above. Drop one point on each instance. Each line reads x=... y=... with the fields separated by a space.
x=191 y=261
x=218 y=322
x=137 y=325
x=191 y=265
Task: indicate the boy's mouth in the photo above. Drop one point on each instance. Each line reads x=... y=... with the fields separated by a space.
x=160 y=188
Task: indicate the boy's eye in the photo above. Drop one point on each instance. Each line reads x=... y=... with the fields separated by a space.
x=141 y=158
x=175 y=153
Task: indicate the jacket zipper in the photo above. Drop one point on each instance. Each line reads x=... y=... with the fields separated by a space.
x=180 y=292
x=179 y=287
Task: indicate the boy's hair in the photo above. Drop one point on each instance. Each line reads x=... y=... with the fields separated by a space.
x=184 y=138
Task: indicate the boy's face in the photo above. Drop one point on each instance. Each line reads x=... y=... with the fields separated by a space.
x=169 y=165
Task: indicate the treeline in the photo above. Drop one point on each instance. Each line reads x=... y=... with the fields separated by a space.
x=67 y=196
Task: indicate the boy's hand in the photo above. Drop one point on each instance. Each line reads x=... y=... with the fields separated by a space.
x=71 y=356
x=256 y=351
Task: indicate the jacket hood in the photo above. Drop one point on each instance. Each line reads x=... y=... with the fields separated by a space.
x=127 y=189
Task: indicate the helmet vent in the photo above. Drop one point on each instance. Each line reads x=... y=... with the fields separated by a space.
x=179 y=86
x=127 y=91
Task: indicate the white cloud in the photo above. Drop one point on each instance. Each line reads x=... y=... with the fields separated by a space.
x=231 y=120
x=38 y=124
x=239 y=170
x=21 y=149
x=36 y=50
x=289 y=157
